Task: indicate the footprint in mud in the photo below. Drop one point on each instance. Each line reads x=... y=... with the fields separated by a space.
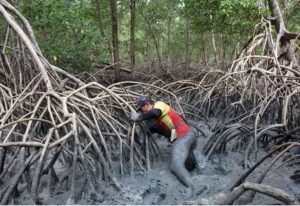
x=200 y=189
x=222 y=170
x=153 y=196
x=188 y=194
x=132 y=196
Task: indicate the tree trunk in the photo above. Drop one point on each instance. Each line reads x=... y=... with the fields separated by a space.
x=204 y=50
x=101 y=27
x=285 y=11
x=161 y=46
x=99 y=12
x=224 y=48
x=43 y=29
x=132 y=37
x=284 y=49
x=168 y=41
x=214 y=46
x=115 y=39
x=283 y=44
x=148 y=40
x=157 y=50
x=187 y=48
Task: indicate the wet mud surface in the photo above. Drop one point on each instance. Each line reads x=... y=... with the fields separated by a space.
x=159 y=186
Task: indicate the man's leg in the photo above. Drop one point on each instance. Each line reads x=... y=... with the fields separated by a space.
x=181 y=149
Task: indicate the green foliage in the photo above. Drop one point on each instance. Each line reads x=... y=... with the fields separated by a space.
x=293 y=16
x=68 y=31
x=229 y=16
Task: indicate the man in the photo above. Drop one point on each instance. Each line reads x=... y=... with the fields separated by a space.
x=166 y=121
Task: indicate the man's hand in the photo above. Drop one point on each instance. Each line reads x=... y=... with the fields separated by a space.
x=134 y=116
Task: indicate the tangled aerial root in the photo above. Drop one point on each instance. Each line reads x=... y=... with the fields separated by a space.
x=50 y=119
x=257 y=101
x=230 y=198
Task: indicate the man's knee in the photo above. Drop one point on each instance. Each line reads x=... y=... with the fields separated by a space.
x=175 y=167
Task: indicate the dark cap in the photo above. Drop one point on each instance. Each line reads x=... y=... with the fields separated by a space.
x=141 y=101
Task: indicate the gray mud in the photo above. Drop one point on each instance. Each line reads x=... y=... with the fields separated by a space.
x=159 y=186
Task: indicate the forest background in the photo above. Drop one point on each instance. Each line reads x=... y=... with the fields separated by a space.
x=230 y=66
x=77 y=35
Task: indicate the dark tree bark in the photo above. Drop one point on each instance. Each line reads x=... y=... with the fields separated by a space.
x=204 y=57
x=168 y=41
x=132 y=36
x=43 y=29
x=99 y=12
x=157 y=50
x=187 y=42
x=283 y=35
x=115 y=39
x=213 y=39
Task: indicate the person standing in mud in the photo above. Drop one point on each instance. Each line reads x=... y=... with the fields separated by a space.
x=164 y=120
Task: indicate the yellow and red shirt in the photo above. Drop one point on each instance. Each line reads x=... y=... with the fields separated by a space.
x=169 y=120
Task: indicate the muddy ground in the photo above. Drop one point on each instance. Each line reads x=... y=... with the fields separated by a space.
x=159 y=186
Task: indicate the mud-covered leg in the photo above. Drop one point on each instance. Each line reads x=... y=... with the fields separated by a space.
x=181 y=149
x=178 y=168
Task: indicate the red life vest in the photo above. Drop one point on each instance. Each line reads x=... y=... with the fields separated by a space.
x=170 y=119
